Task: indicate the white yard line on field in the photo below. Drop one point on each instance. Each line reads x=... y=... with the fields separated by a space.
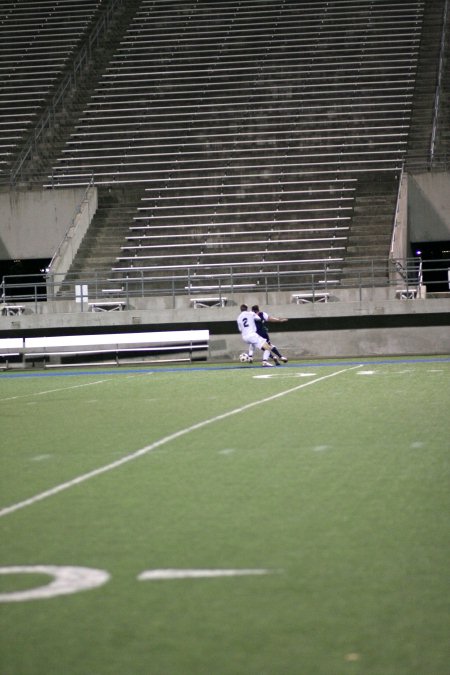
x=157 y=444
x=52 y=391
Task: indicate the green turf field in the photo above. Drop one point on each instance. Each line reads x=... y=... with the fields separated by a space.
x=305 y=508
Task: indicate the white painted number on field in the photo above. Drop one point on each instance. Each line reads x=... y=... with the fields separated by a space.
x=66 y=580
x=282 y=374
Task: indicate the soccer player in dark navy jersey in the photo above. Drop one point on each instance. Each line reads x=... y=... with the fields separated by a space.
x=261 y=329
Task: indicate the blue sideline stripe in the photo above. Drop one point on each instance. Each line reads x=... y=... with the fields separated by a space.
x=182 y=369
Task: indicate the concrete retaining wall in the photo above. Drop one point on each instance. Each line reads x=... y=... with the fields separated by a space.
x=368 y=327
x=34 y=222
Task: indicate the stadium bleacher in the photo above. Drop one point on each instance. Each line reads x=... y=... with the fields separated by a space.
x=37 y=42
x=248 y=127
x=250 y=130
x=317 y=86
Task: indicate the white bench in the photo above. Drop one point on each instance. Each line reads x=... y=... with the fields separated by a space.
x=181 y=345
x=12 y=310
x=303 y=298
x=10 y=349
x=107 y=306
x=406 y=293
x=209 y=302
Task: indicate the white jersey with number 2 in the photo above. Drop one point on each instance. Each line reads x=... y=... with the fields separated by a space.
x=246 y=324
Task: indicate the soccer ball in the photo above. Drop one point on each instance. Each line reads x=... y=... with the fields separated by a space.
x=244 y=358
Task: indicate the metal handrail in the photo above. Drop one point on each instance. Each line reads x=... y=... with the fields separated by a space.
x=69 y=232
x=407 y=273
x=397 y=212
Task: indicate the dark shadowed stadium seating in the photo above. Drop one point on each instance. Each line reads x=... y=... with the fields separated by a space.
x=38 y=39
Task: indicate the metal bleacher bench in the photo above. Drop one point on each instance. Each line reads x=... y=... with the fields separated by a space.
x=303 y=298
x=181 y=345
x=406 y=293
x=107 y=305
x=12 y=310
x=213 y=300
x=209 y=302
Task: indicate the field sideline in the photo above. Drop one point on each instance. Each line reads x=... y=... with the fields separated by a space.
x=226 y=520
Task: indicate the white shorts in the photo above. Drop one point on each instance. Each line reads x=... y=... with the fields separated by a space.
x=255 y=340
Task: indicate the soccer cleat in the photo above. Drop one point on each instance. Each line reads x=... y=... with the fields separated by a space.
x=284 y=359
x=266 y=364
x=250 y=359
x=276 y=361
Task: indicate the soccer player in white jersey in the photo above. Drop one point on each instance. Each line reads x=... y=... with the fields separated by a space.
x=246 y=322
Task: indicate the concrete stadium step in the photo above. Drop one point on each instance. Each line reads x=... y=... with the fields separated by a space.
x=371 y=250
x=102 y=243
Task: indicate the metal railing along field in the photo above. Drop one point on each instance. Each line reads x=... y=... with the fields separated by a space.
x=403 y=276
